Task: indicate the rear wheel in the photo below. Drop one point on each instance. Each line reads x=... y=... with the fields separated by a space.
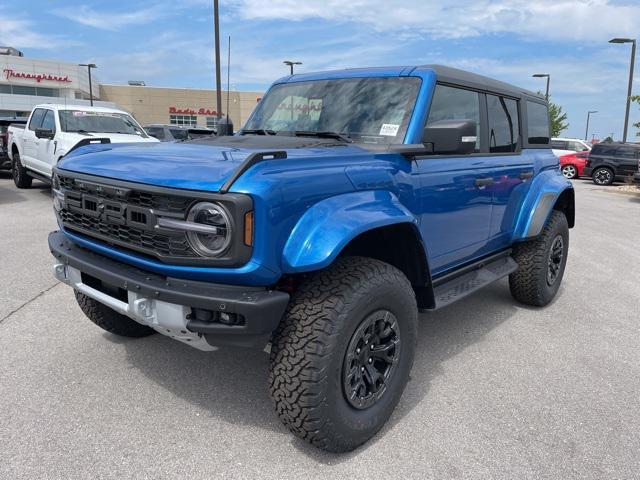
x=603 y=176
x=20 y=176
x=341 y=357
x=569 y=171
x=541 y=263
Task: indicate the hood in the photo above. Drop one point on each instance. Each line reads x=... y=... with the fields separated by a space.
x=114 y=137
x=203 y=165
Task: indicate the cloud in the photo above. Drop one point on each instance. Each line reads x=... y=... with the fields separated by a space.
x=20 y=33
x=575 y=20
x=109 y=20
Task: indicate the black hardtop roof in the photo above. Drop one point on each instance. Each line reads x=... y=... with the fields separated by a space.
x=457 y=76
x=617 y=144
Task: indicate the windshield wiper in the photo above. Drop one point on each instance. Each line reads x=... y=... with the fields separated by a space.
x=258 y=131
x=79 y=131
x=324 y=134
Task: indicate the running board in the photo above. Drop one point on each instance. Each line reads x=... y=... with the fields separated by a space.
x=39 y=176
x=467 y=283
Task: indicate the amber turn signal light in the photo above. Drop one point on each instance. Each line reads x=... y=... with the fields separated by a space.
x=248 y=228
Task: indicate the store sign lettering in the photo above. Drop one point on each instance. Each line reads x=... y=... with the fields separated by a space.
x=193 y=111
x=38 y=77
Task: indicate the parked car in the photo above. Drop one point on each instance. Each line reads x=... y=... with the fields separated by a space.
x=564 y=146
x=322 y=229
x=5 y=161
x=572 y=164
x=176 y=133
x=53 y=131
x=609 y=162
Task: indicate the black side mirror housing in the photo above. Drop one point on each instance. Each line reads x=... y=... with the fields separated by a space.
x=45 y=133
x=451 y=136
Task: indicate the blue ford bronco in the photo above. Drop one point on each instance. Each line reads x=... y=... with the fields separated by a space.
x=349 y=201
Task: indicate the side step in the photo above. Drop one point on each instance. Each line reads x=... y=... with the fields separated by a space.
x=467 y=283
x=39 y=176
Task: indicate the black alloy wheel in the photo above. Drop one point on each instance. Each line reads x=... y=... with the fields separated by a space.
x=371 y=359
x=554 y=263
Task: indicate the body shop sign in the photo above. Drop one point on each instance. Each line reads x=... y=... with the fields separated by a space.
x=38 y=77
x=193 y=111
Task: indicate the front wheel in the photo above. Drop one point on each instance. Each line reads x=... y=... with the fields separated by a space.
x=541 y=263
x=341 y=357
x=569 y=171
x=20 y=176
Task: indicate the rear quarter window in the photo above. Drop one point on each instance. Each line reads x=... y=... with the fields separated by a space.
x=537 y=124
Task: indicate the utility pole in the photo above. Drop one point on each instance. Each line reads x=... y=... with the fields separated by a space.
x=216 y=28
x=291 y=64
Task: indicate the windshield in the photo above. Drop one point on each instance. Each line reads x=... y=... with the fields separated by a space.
x=99 y=122
x=368 y=110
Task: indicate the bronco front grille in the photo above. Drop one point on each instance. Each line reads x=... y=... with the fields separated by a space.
x=124 y=217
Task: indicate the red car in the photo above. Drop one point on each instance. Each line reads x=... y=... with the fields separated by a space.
x=572 y=164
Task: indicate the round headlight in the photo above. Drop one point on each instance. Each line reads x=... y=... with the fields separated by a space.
x=216 y=242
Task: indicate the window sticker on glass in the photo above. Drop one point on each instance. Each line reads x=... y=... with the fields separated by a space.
x=389 y=129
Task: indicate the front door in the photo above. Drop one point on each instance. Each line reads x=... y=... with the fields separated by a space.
x=46 y=147
x=455 y=190
x=29 y=139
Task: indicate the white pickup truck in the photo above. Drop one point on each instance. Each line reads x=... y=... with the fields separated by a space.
x=54 y=130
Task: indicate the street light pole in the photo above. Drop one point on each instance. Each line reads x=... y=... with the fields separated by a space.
x=586 y=131
x=542 y=75
x=632 y=41
x=89 y=67
x=291 y=64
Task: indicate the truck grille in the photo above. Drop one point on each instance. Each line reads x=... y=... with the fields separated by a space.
x=124 y=217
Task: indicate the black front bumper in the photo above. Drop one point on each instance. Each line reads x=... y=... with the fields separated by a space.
x=260 y=308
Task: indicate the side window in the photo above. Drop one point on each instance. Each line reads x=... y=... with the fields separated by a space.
x=559 y=144
x=537 y=123
x=626 y=152
x=48 y=122
x=503 y=124
x=36 y=118
x=155 y=132
x=450 y=103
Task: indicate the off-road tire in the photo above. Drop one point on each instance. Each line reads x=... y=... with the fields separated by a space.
x=20 y=176
x=309 y=347
x=110 y=320
x=529 y=283
x=603 y=176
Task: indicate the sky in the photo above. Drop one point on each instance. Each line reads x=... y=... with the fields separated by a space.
x=170 y=43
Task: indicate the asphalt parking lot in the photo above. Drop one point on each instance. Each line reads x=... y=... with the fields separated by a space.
x=497 y=390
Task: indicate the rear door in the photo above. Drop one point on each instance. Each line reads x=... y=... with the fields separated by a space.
x=627 y=159
x=512 y=169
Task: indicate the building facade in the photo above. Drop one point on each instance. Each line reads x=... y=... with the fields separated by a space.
x=26 y=82
x=180 y=106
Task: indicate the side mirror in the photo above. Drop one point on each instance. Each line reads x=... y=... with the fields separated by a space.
x=451 y=136
x=45 y=133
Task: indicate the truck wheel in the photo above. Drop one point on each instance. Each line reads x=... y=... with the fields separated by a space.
x=110 y=320
x=341 y=357
x=541 y=263
x=20 y=176
x=603 y=176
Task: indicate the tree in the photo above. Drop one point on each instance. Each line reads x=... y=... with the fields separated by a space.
x=558 y=118
x=636 y=98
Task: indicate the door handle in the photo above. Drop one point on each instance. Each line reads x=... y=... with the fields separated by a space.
x=483 y=182
x=526 y=175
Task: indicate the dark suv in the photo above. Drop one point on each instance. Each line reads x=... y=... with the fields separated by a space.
x=608 y=162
